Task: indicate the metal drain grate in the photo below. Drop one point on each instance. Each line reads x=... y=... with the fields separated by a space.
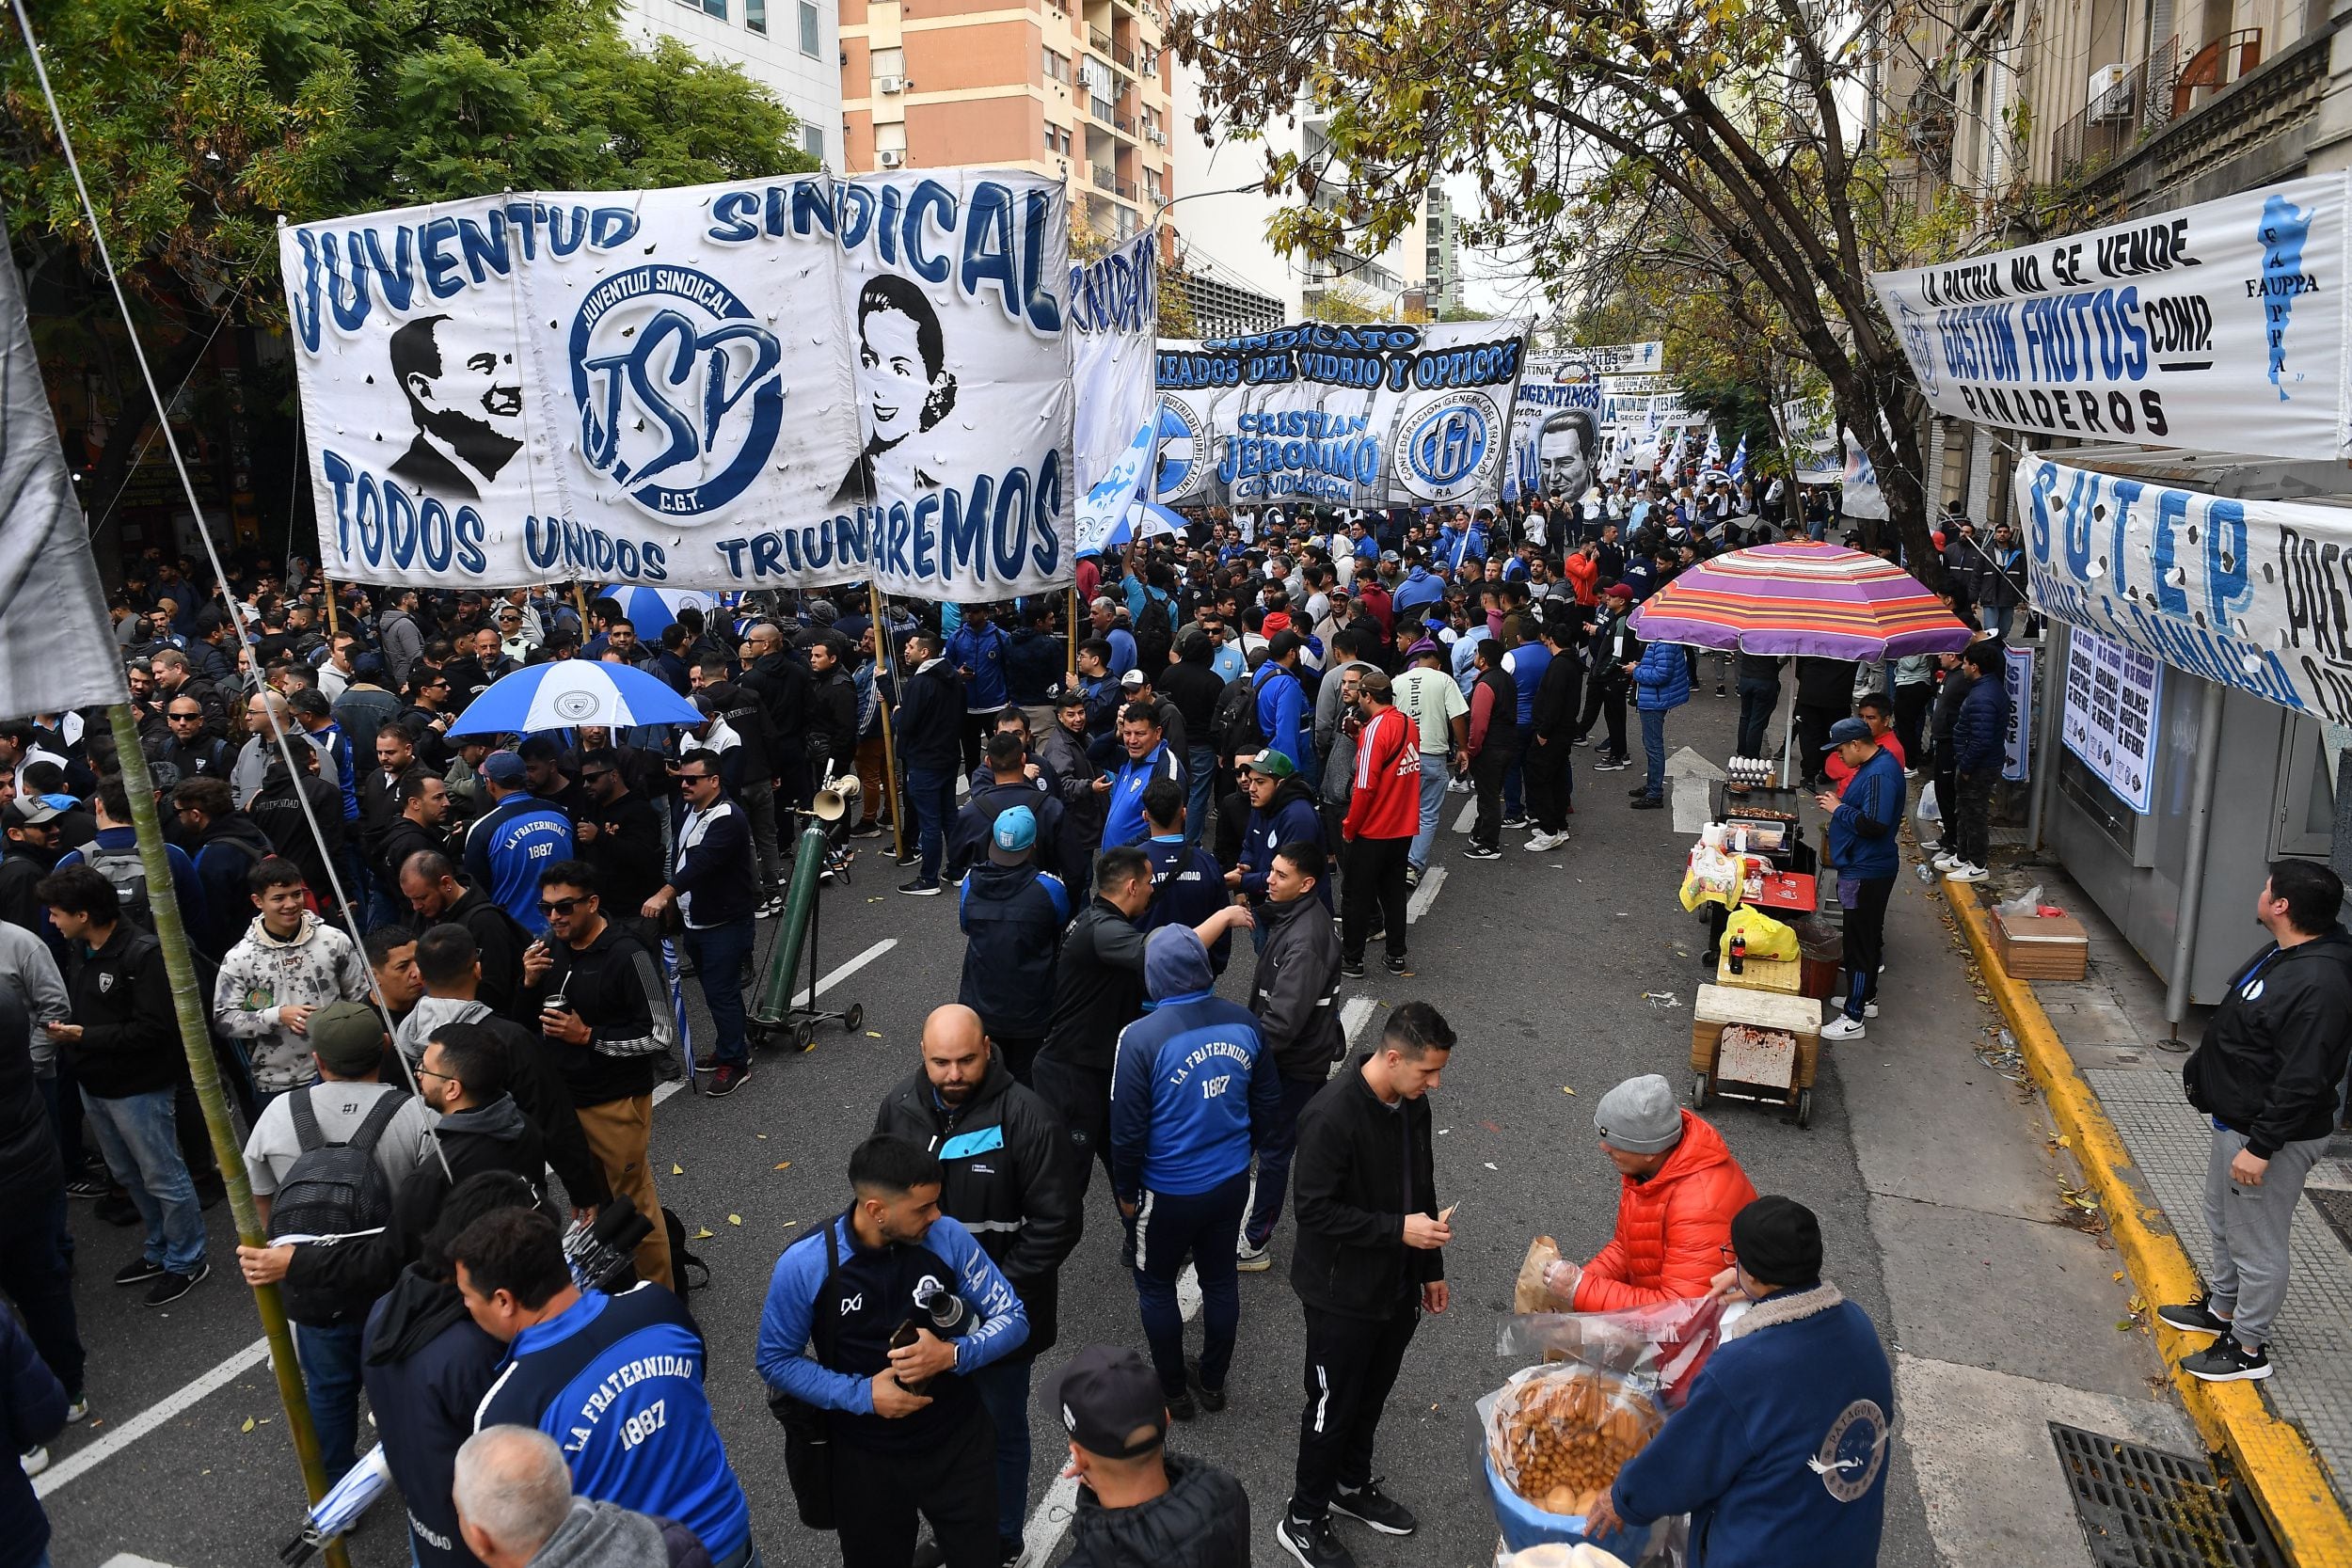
x=2335 y=1207
x=2144 y=1507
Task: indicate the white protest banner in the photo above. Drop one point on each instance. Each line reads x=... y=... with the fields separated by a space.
x=2017 y=743
x=1623 y=358
x=1363 y=416
x=2114 y=703
x=764 y=384
x=2220 y=326
x=2254 y=594
x=1638 y=386
x=1114 y=325
x=1555 y=429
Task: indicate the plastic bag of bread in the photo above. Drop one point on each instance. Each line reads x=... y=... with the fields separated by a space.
x=1660 y=1348
x=1556 y=1437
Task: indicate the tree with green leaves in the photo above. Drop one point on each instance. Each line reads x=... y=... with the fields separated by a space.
x=1712 y=137
x=201 y=123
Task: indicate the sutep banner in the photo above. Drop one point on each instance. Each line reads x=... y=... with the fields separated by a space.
x=2217 y=327
x=1359 y=416
x=770 y=383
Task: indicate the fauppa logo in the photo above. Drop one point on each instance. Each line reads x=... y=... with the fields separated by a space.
x=679 y=392
x=2284 y=231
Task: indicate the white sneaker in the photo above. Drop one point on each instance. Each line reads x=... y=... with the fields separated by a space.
x=1964 y=872
x=1250 y=1260
x=34 y=1461
x=1545 y=843
x=1843 y=1028
x=1945 y=862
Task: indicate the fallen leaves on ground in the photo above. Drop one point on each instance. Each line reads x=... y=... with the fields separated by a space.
x=735 y=1219
x=677 y=1169
x=783 y=1164
x=704 y=1234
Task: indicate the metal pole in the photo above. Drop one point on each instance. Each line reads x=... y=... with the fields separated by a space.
x=890 y=746
x=2042 y=755
x=2193 y=875
x=196 y=1040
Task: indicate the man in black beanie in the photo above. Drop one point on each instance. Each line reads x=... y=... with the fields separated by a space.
x=1779 y=1455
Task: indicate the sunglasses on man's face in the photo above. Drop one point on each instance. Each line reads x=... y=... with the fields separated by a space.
x=695 y=778
x=561 y=906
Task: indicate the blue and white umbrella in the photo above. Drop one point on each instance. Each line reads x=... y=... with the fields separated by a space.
x=1144 y=520
x=650 y=609
x=565 y=693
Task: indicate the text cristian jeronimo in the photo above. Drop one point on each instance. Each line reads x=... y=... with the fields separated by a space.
x=678 y=379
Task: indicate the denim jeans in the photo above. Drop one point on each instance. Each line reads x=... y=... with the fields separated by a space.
x=331 y=1386
x=139 y=1137
x=1274 y=1159
x=718 y=951
x=1004 y=1389
x=1206 y=1227
x=1433 y=777
x=935 y=793
x=1654 y=751
x=1201 y=783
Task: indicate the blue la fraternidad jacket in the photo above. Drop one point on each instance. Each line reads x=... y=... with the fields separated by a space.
x=1982 y=728
x=617 y=1382
x=1862 y=829
x=1193 y=1087
x=981 y=650
x=1663 y=679
x=1780 y=1455
x=505 y=851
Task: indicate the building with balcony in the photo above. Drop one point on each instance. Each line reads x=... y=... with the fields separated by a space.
x=1078 y=89
x=787 y=46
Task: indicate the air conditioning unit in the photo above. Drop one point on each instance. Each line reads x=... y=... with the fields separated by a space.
x=892 y=157
x=891 y=83
x=1156 y=137
x=2110 y=93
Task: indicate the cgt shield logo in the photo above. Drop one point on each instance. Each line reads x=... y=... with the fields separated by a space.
x=1447 y=451
x=679 y=393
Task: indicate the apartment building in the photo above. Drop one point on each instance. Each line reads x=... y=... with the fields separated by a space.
x=1075 y=88
x=787 y=46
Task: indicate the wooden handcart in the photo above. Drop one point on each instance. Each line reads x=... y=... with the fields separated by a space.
x=1755 y=1045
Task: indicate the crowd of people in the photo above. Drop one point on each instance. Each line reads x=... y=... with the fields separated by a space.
x=439 y=966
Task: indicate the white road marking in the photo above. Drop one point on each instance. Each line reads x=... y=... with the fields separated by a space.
x=1469 y=815
x=124 y=1559
x=1049 y=1522
x=1426 y=895
x=121 y=1437
x=824 y=983
x=1354 y=1016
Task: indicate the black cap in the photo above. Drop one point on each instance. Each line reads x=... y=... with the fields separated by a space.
x=1778 y=1241
x=1107 y=1395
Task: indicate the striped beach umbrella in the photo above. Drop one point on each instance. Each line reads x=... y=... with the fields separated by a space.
x=1823 y=601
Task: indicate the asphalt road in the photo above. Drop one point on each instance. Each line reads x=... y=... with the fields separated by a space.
x=1563 y=974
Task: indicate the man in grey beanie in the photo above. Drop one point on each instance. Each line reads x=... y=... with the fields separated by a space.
x=1678 y=1190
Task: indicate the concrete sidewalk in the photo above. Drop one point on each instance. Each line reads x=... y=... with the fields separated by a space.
x=2094 y=1045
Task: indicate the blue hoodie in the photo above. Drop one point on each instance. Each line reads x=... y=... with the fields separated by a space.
x=1180 y=1123
x=1418 y=589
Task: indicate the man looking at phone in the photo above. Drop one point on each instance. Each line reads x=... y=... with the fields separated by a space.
x=1367 y=1263
x=598 y=1000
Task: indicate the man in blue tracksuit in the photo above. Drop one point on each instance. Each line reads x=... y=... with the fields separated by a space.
x=518 y=837
x=1149 y=759
x=617 y=1381
x=1192 y=1091
x=1285 y=717
x=1861 y=846
x=907 y=1430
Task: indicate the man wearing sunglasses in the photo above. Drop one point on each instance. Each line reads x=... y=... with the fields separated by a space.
x=716 y=889
x=605 y=1013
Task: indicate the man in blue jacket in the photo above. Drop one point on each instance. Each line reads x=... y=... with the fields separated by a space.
x=518 y=837
x=1194 y=1091
x=1281 y=810
x=907 y=1427
x=1862 y=847
x=1779 y=1456
x=1418 y=590
x=1150 y=759
x=979 y=650
x=1980 y=736
x=1285 y=717
x=1012 y=915
x=1661 y=683
x=617 y=1381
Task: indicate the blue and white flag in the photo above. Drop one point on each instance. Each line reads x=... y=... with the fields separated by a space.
x=1114 y=325
x=1738 y=467
x=1713 y=457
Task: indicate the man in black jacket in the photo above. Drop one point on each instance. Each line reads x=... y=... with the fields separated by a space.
x=35 y=1266
x=930 y=724
x=1364 y=1271
x=1138 y=1503
x=123 y=1045
x=754 y=765
x=1295 y=999
x=716 y=891
x=620 y=832
x=2266 y=1073
x=782 y=683
x=430 y=884
x=1007 y=1179
x=1551 y=778
x=419 y=802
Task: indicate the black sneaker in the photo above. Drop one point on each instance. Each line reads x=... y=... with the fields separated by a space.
x=1212 y=1400
x=1396 y=962
x=866 y=830
x=2227 y=1361
x=138 y=1271
x=1375 y=1508
x=928 y=1554
x=1519 y=820
x=1312 y=1542
x=91 y=1187
x=1483 y=852
x=1637 y=792
x=2197 y=1317
x=1352 y=969
x=910 y=858
x=921 y=889
x=1649 y=803
x=726 y=1078
x=171 y=1287
x=1179 y=1404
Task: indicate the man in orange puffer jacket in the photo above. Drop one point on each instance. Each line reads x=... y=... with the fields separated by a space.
x=1681 y=1188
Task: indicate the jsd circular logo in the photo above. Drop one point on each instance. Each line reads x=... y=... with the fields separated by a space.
x=1446 y=452
x=679 y=394
x=1180 y=451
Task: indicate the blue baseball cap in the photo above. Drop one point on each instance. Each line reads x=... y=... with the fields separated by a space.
x=1013 y=836
x=505 y=768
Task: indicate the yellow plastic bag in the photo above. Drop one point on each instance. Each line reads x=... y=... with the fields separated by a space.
x=1766 y=938
x=1713 y=877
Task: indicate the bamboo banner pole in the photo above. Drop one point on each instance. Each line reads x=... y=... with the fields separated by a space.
x=334 y=628
x=890 y=745
x=1070 y=681
x=196 y=1040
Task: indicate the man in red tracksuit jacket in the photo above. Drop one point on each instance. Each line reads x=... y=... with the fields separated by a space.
x=1383 y=813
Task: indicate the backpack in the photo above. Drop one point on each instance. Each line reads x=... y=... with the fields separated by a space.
x=128 y=873
x=334 y=1189
x=1155 y=631
x=1234 y=725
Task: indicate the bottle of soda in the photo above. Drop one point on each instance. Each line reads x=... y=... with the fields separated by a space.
x=1739 y=955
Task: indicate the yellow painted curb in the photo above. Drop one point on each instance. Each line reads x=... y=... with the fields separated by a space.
x=2279 y=1467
